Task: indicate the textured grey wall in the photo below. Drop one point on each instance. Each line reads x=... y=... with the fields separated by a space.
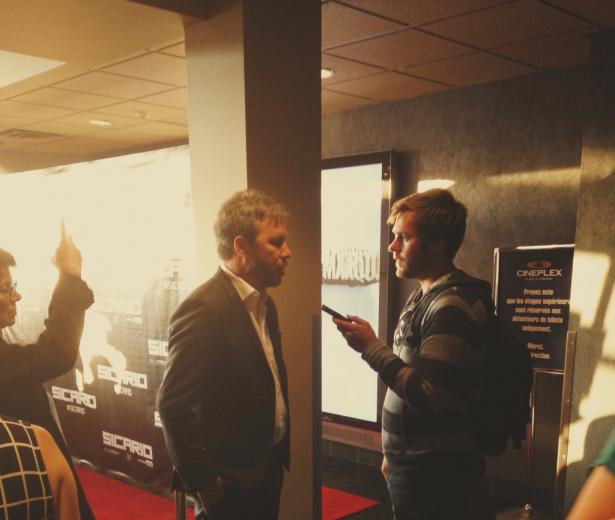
x=513 y=149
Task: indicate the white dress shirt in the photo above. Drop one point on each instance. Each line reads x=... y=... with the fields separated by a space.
x=256 y=305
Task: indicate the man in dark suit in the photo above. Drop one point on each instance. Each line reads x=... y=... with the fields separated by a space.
x=23 y=368
x=223 y=400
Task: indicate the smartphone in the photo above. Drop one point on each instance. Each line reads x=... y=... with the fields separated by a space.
x=335 y=314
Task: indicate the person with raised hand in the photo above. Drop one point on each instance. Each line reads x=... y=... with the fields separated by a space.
x=26 y=367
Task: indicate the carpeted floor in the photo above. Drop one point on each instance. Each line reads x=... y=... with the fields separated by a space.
x=109 y=496
x=114 y=500
x=340 y=504
x=111 y=499
x=367 y=481
x=360 y=479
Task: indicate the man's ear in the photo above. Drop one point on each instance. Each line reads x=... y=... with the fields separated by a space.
x=241 y=247
x=440 y=246
x=435 y=245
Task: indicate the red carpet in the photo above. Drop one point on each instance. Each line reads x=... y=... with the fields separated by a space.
x=113 y=500
x=338 y=504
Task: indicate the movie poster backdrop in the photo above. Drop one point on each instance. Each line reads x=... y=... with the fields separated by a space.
x=533 y=298
x=132 y=219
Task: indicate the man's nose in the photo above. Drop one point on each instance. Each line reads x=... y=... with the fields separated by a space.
x=16 y=296
x=394 y=246
x=286 y=252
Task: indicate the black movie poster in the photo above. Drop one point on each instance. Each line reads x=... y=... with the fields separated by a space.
x=533 y=298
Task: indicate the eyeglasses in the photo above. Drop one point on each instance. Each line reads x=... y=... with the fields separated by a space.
x=10 y=290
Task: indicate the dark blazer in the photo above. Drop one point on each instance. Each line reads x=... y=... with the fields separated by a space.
x=23 y=368
x=217 y=398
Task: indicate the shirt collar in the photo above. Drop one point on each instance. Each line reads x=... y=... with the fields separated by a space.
x=244 y=289
x=441 y=280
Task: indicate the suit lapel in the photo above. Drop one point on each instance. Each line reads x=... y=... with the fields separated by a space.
x=276 y=340
x=241 y=315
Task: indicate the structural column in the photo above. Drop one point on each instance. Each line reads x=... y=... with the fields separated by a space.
x=254 y=121
x=592 y=299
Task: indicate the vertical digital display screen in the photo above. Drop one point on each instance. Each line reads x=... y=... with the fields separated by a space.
x=352 y=199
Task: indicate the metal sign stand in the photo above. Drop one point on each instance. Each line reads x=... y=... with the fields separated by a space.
x=564 y=428
x=530 y=512
x=180 y=505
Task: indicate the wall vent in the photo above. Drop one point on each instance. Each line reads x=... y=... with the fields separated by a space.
x=343 y=434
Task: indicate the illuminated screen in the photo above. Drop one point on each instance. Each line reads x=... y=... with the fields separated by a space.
x=352 y=202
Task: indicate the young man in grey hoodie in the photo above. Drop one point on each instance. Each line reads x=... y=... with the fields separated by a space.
x=434 y=370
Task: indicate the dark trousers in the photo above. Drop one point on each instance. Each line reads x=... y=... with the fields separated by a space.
x=433 y=486
x=260 y=502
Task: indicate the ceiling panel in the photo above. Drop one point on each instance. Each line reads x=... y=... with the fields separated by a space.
x=387 y=86
x=600 y=12
x=417 y=12
x=471 y=69
x=130 y=60
x=177 y=98
x=179 y=118
x=551 y=52
x=175 y=50
x=400 y=49
x=56 y=97
x=336 y=102
x=147 y=111
x=60 y=128
x=155 y=67
x=86 y=32
x=128 y=136
x=101 y=144
x=344 y=70
x=158 y=128
x=36 y=146
x=106 y=84
x=506 y=24
x=341 y=24
x=12 y=122
x=12 y=108
x=83 y=119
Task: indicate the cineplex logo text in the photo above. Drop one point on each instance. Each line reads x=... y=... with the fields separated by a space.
x=130 y=446
x=540 y=269
x=123 y=379
x=77 y=401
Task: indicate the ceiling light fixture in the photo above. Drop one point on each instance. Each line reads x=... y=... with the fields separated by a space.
x=100 y=122
x=326 y=73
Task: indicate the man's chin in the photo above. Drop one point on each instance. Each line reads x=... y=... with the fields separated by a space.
x=8 y=323
x=274 y=281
